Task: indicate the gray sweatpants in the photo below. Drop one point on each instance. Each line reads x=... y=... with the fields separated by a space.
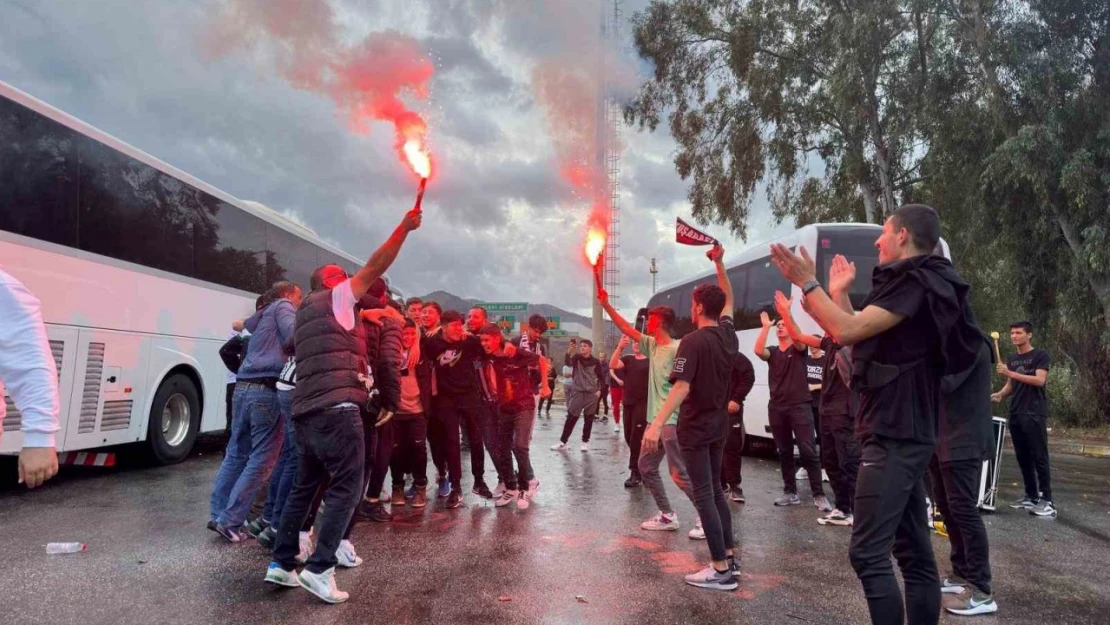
x=649 y=469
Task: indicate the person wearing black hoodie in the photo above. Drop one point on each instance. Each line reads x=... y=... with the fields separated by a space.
x=383 y=320
x=965 y=440
x=912 y=331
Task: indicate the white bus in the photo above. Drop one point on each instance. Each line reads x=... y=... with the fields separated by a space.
x=754 y=282
x=140 y=269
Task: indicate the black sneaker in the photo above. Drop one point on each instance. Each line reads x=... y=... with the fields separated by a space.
x=257 y=526
x=633 y=481
x=482 y=490
x=735 y=493
x=212 y=526
x=268 y=537
x=374 y=511
x=454 y=500
x=232 y=535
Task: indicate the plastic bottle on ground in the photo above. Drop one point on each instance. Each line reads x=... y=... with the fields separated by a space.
x=56 y=548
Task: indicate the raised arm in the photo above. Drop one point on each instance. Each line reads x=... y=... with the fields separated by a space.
x=761 y=340
x=782 y=305
x=841 y=276
x=844 y=328
x=615 y=362
x=384 y=256
x=622 y=324
x=717 y=255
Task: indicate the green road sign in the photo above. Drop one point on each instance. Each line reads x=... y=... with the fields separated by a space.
x=494 y=308
x=556 y=334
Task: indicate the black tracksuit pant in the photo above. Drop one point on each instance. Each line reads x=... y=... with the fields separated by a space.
x=1030 y=435
x=889 y=519
x=635 y=422
x=840 y=458
x=956 y=488
x=734 y=457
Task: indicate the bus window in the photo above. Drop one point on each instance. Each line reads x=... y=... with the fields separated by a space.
x=133 y=212
x=738 y=277
x=291 y=257
x=858 y=246
x=763 y=280
x=38 y=176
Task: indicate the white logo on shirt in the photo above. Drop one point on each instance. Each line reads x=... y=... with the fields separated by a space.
x=679 y=365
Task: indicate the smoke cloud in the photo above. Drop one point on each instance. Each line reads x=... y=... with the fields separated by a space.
x=303 y=42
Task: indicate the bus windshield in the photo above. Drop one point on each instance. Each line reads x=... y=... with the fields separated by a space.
x=857 y=244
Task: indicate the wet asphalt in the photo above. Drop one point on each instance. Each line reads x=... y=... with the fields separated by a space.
x=576 y=556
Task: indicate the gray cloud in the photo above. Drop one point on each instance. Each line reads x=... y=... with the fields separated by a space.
x=498 y=224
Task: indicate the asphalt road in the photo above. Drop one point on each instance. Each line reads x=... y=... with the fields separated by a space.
x=150 y=559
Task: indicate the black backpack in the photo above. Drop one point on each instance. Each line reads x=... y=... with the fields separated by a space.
x=233 y=352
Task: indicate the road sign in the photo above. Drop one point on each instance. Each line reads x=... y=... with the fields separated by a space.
x=555 y=334
x=494 y=308
x=553 y=323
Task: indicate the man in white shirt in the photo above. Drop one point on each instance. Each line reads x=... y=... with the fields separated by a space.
x=28 y=371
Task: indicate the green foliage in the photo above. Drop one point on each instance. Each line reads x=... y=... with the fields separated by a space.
x=997 y=112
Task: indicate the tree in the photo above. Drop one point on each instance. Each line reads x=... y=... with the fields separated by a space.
x=785 y=87
x=996 y=112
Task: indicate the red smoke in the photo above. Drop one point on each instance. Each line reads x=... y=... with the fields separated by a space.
x=302 y=39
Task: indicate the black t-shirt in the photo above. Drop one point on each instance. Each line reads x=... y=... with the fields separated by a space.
x=456 y=364
x=814 y=370
x=787 y=377
x=904 y=407
x=704 y=359
x=514 y=381
x=834 y=393
x=1028 y=399
x=635 y=375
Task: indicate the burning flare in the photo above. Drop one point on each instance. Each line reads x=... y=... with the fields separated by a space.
x=595 y=245
x=418 y=158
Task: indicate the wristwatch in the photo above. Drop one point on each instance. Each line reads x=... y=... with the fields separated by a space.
x=809 y=286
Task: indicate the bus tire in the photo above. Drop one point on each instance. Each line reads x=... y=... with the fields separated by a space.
x=174 y=420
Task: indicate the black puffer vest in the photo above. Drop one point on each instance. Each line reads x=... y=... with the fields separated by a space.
x=331 y=361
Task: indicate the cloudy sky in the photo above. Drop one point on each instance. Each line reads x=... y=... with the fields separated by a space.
x=500 y=224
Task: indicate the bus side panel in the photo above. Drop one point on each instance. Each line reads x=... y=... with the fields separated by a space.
x=756 y=422
x=109 y=389
x=203 y=358
x=63 y=344
x=86 y=290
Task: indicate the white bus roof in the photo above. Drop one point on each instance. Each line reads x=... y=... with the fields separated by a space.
x=257 y=209
x=759 y=250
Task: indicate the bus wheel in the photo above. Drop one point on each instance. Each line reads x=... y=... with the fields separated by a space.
x=174 y=420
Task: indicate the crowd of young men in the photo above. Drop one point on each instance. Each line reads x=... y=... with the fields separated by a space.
x=336 y=388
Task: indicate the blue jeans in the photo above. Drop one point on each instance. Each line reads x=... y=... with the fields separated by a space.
x=286 y=468
x=256 y=435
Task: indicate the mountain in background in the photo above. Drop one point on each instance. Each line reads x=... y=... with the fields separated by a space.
x=454 y=302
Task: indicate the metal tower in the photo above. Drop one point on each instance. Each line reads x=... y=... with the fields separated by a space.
x=610 y=148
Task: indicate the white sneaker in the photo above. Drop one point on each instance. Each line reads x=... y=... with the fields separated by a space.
x=585 y=447
x=505 y=498
x=500 y=489
x=306 y=547
x=322 y=585
x=346 y=555
x=559 y=447
x=616 y=429
x=698 y=533
x=528 y=494
x=277 y=575
x=661 y=523
x=802 y=474
x=824 y=476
